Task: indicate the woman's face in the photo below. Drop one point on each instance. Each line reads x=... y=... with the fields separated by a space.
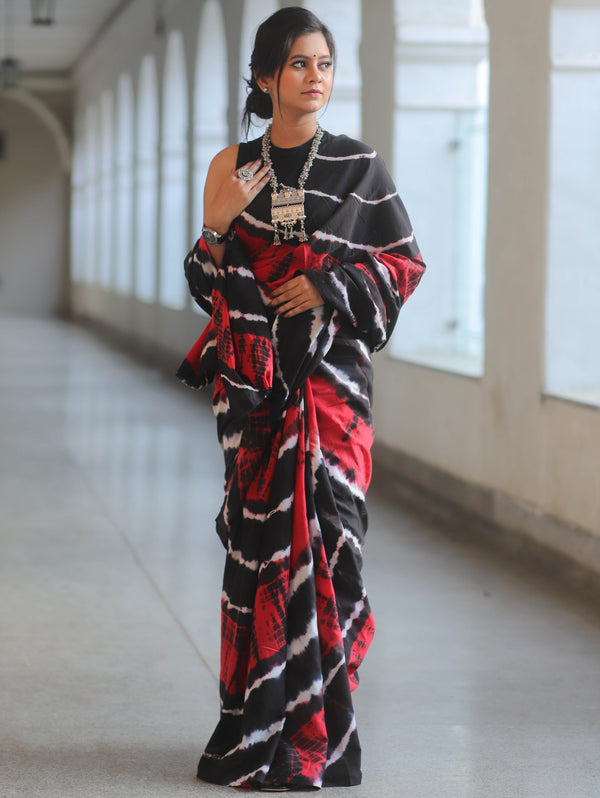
x=305 y=78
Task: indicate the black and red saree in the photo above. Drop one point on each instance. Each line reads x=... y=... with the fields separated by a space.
x=292 y=400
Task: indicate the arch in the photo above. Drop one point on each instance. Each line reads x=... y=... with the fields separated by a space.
x=172 y=289
x=210 y=101
x=123 y=185
x=34 y=211
x=146 y=183
x=50 y=120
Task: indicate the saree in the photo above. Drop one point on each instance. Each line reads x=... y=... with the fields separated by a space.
x=292 y=399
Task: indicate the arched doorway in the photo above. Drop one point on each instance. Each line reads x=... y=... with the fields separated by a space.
x=34 y=204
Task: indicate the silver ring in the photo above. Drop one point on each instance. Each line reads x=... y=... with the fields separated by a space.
x=245 y=174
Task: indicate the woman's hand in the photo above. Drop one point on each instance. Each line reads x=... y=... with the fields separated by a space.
x=295 y=296
x=226 y=195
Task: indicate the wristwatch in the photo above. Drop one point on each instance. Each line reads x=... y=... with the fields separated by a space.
x=212 y=238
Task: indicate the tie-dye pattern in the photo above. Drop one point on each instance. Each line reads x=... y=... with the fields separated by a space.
x=293 y=401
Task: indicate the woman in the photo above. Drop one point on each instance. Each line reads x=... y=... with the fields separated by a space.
x=305 y=259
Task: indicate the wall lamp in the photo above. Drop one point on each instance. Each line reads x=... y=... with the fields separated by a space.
x=42 y=12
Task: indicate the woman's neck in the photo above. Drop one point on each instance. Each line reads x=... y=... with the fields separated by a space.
x=287 y=134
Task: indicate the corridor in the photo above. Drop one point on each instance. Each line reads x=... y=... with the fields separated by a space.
x=483 y=680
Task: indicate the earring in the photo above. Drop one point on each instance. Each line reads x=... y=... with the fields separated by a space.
x=266 y=90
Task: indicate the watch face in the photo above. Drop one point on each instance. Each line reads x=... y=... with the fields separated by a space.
x=210 y=236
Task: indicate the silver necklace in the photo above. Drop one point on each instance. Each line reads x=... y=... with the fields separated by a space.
x=287 y=204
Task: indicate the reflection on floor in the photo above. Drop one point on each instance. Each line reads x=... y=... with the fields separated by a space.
x=482 y=682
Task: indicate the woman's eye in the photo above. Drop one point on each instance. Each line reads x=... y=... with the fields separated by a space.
x=325 y=65
x=299 y=64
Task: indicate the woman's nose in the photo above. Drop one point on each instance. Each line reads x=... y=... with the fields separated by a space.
x=314 y=74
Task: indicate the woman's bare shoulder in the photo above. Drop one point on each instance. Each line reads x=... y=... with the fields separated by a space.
x=221 y=166
x=225 y=160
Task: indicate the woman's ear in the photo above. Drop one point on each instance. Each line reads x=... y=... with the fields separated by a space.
x=265 y=82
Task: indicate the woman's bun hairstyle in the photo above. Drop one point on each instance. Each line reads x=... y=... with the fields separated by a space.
x=258 y=102
x=272 y=46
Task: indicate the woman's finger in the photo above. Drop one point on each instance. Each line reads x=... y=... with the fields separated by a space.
x=258 y=169
x=235 y=194
x=297 y=304
x=302 y=307
x=251 y=165
x=292 y=286
x=250 y=188
x=297 y=287
x=297 y=309
x=261 y=178
x=284 y=299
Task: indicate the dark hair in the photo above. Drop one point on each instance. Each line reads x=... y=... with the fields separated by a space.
x=272 y=46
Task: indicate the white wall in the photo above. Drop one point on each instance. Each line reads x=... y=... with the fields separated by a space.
x=33 y=214
x=499 y=430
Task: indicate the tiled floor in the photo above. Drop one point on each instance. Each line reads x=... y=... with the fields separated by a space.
x=482 y=682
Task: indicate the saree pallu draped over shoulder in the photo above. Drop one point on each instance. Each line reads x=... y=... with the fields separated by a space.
x=292 y=400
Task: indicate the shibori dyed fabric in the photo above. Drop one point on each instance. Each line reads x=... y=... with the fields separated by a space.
x=292 y=400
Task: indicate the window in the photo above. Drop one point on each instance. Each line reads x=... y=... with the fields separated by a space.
x=173 y=213
x=210 y=102
x=89 y=271
x=573 y=283
x=78 y=197
x=123 y=185
x=105 y=239
x=440 y=168
x=146 y=216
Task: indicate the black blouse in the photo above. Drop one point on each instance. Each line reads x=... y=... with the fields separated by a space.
x=287 y=164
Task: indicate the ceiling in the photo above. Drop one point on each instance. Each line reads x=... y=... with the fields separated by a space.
x=52 y=48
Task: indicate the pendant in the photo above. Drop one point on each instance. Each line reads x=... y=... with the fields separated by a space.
x=287 y=208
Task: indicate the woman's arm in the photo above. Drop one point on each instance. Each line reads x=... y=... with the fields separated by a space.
x=226 y=195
